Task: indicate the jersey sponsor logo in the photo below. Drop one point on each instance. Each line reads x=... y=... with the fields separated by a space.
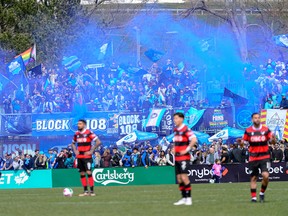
x=82 y=140
x=117 y=176
x=178 y=138
x=258 y=139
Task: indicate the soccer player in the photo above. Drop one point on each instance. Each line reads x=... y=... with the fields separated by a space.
x=84 y=151
x=258 y=136
x=184 y=140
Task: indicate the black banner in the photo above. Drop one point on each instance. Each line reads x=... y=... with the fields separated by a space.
x=236 y=173
x=218 y=118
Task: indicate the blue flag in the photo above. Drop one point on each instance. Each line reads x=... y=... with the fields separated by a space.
x=192 y=116
x=71 y=63
x=16 y=73
x=281 y=40
x=16 y=67
x=154 y=55
x=3 y=83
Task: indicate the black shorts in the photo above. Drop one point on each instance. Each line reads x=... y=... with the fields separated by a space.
x=84 y=164
x=263 y=165
x=182 y=167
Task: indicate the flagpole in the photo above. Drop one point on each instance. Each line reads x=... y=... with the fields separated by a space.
x=112 y=48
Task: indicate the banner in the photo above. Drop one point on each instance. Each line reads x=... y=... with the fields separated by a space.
x=15 y=124
x=155 y=117
x=277 y=121
x=57 y=124
x=20 y=179
x=218 y=118
x=25 y=146
x=127 y=123
x=117 y=176
x=235 y=173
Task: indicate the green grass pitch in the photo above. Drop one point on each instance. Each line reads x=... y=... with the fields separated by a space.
x=208 y=199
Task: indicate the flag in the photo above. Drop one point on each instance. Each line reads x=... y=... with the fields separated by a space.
x=36 y=71
x=154 y=55
x=281 y=40
x=33 y=53
x=192 y=116
x=16 y=73
x=227 y=133
x=155 y=117
x=3 y=82
x=16 y=66
x=103 y=50
x=206 y=44
x=26 y=56
x=71 y=63
x=237 y=99
x=181 y=66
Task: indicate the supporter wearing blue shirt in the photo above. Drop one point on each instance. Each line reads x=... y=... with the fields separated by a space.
x=126 y=160
x=2 y=161
x=51 y=158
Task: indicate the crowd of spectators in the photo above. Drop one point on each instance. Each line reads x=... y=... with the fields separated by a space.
x=114 y=87
x=143 y=155
x=271 y=84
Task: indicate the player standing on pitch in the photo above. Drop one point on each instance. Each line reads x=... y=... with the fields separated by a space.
x=258 y=136
x=184 y=140
x=84 y=151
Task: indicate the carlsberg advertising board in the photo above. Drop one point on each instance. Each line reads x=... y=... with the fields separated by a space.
x=118 y=176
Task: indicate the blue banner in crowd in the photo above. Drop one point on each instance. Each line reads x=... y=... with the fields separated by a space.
x=15 y=124
x=57 y=124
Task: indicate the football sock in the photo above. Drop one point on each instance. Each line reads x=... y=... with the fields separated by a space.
x=182 y=189
x=188 y=190
x=253 y=193
x=84 y=182
x=90 y=181
x=263 y=189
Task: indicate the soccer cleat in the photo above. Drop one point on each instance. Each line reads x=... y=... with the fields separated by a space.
x=86 y=193
x=180 y=202
x=188 y=201
x=262 y=197
x=92 y=194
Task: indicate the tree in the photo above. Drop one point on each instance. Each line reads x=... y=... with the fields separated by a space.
x=48 y=23
x=237 y=13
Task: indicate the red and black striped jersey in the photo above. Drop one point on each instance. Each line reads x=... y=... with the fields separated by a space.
x=182 y=138
x=258 y=139
x=83 y=140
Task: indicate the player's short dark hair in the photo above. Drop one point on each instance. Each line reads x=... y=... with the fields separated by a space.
x=179 y=114
x=253 y=114
x=82 y=120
